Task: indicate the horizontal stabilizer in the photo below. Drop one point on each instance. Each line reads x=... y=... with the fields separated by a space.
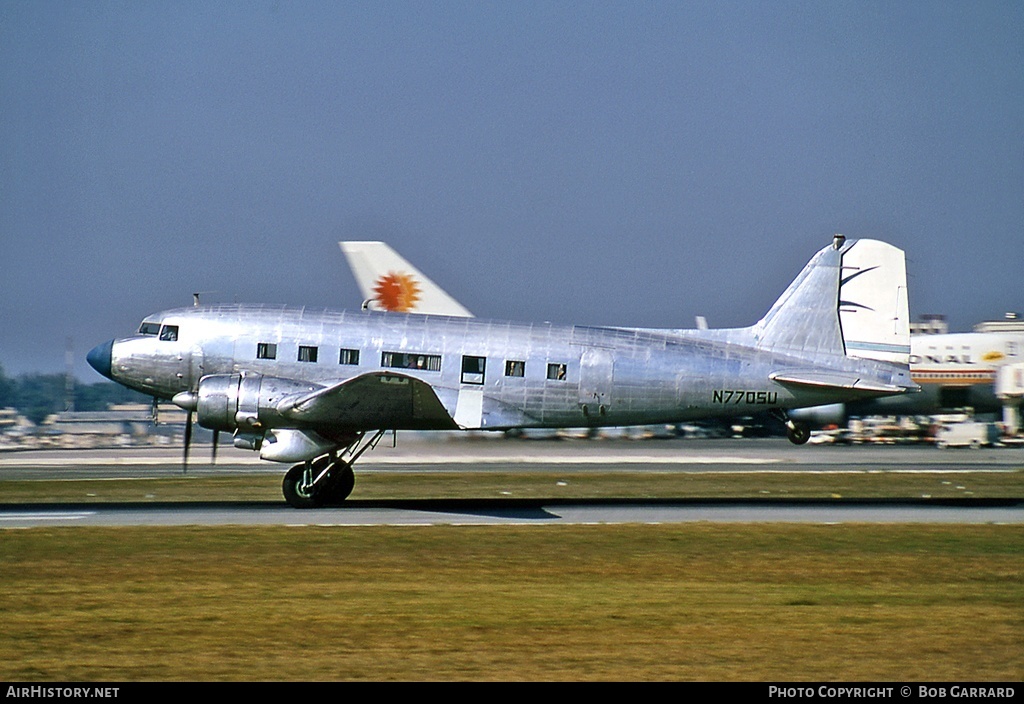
x=375 y=400
x=835 y=380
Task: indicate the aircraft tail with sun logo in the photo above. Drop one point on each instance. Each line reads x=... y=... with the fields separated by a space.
x=388 y=282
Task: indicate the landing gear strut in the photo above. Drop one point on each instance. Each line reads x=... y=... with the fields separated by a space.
x=324 y=481
x=798 y=432
x=318 y=483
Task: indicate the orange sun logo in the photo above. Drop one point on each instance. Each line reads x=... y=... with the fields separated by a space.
x=397 y=292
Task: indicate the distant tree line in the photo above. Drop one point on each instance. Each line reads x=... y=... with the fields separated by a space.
x=36 y=396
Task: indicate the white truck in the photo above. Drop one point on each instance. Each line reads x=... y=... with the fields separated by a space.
x=968 y=433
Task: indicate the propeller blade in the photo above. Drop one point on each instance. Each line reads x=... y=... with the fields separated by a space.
x=188 y=441
x=216 y=439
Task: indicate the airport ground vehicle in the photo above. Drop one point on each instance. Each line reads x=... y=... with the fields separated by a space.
x=969 y=433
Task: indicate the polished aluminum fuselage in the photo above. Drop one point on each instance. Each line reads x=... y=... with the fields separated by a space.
x=611 y=376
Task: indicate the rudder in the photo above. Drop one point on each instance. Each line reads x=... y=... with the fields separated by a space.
x=874 y=311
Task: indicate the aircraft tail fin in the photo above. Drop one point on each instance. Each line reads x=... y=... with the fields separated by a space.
x=388 y=282
x=850 y=299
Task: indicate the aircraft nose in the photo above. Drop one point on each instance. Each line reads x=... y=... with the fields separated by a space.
x=99 y=357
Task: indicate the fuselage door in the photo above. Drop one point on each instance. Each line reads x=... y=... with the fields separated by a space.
x=469 y=408
x=596 y=381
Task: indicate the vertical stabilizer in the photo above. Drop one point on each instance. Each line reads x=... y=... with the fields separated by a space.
x=850 y=299
x=805 y=318
x=388 y=282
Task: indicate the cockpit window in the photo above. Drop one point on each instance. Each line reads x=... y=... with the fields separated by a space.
x=169 y=333
x=149 y=328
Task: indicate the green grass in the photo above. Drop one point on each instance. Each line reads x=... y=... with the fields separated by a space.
x=669 y=602
x=673 y=602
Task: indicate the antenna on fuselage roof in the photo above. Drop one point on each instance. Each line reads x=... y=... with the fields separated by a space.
x=195 y=297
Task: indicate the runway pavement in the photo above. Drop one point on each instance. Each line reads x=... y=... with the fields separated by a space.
x=768 y=455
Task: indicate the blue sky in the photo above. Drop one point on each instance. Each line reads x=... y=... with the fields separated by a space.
x=608 y=163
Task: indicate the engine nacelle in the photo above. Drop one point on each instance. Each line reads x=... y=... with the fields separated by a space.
x=290 y=445
x=820 y=416
x=243 y=402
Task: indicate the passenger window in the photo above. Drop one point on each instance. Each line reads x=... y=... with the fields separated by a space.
x=169 y=333
x=149 y=329
x=266 y=350
x=515 y=367
x=556 y=372
x=473 y=369
x=348 y=357
x=307 y=354
x=406 y=360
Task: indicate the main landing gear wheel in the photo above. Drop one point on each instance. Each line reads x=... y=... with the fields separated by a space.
x=338 y=483
x=306 y=485
x=798 y=433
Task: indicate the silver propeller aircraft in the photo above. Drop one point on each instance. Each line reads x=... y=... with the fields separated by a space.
x=317 y=388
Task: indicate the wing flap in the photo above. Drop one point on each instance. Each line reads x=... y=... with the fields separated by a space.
x=371 y=401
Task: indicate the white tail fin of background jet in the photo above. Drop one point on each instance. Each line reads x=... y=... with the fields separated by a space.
x=388 y=282
x=850 y=299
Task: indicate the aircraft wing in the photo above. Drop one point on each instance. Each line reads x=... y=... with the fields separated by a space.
x=373 y=400
x=834 y=380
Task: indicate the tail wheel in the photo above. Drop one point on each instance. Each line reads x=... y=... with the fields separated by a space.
x=798 y=433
